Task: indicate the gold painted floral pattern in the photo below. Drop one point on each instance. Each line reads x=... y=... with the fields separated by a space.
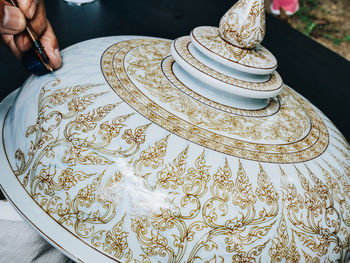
x=219 y=208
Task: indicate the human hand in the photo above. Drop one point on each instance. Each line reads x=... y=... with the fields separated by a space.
x=13 y=23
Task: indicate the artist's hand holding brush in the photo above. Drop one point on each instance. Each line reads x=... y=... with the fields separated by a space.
x=13 y=23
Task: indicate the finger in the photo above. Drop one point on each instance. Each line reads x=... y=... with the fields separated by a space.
x=23 y=42
x=38 y=24
x=50 y=44
x=9 y=41
x=12 y=20
x=39 y=21
x=28 y=7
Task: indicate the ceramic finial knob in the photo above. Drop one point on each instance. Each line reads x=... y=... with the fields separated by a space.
x=244 y=24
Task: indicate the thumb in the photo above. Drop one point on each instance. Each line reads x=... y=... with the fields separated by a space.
x=12 y=20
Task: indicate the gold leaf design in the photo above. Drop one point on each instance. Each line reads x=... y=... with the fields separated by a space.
x=279 y=248
x=171 y=176
x=153 y=156
x=316 y=222
x=198 y=177
x=222 y=182
x=282 y=248
x=134 y=139
x=71 y=212
x=243 y=195
x=67 y=179
x=109 y=130
x=267 y=193
x=59 y=97
x=115 y=241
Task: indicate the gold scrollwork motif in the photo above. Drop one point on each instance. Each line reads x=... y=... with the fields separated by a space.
x=214 y=213
x=210 y=210
x=298 y=133
x=49 y=119
x=114 y=242
x=315 y=217
x=74 y=130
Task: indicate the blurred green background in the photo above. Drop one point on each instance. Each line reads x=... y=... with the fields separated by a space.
x=326 y=21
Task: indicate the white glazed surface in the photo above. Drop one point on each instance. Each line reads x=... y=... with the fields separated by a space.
x=226 y=70
x=169 y=187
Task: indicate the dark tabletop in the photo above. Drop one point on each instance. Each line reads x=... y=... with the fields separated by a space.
x=317 y=73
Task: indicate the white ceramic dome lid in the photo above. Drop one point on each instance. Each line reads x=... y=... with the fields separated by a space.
x=128 y=157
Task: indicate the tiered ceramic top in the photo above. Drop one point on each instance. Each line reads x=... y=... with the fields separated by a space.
x=230 y=58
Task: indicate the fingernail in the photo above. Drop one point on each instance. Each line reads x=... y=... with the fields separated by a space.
x=13 y=19
x=58 y=55
x=32 y=9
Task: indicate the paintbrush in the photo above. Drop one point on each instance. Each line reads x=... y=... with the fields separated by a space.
x=36 y=59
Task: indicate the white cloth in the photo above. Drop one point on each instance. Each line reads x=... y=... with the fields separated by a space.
x=19 y=242
x=79 y=2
